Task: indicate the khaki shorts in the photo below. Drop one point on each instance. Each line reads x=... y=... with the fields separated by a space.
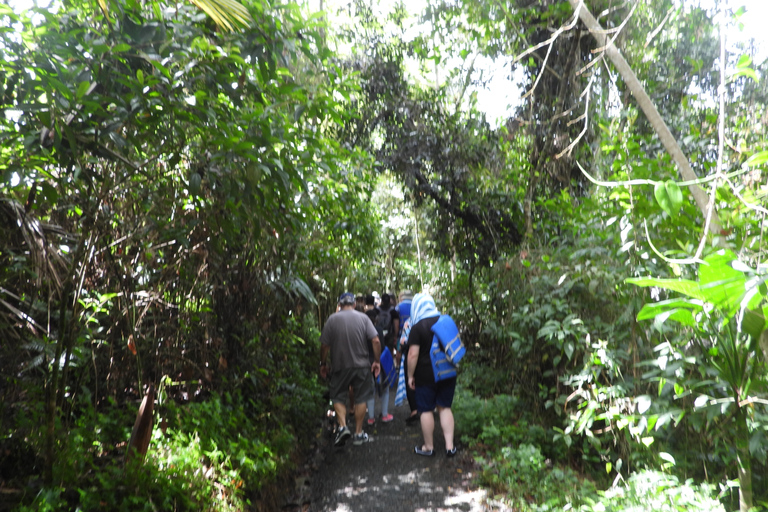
x=361 y=380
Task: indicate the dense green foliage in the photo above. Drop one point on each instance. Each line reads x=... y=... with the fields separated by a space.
x=181 y=203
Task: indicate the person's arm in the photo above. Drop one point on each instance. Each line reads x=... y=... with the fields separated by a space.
x=376 y=365
x=396 y=335
x=413 y=359
x=324 y=349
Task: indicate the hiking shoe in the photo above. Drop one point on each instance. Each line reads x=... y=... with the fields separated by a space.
x=387 y=418
x=451 y=453
x=341 y=436
x=359 y=439
x=371 y=421
x=426 y=453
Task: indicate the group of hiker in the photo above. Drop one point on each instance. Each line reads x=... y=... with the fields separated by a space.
x=372 y=341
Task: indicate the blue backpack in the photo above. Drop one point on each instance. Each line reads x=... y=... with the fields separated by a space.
x=448 y=335
x=441 y=366
x=404 y=310
x=387 y=375
x=447 y=349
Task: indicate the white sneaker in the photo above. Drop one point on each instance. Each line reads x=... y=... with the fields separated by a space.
x=359 y=439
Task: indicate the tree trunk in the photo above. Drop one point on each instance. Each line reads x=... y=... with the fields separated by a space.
x=649 y=109
x=745 y=464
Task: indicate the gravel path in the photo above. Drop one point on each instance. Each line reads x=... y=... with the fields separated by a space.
x=386 y=475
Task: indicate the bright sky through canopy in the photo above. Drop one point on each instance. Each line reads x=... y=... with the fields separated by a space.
x=501 y=95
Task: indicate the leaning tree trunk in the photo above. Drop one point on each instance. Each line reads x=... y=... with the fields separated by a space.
x=649 y=109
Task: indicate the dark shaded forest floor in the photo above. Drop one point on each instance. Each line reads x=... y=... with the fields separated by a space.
x=386 y=475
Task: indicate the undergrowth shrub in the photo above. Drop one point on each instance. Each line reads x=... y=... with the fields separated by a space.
x=529 y=482
x=499 y=421
x=474 y=413
x=222 y=451
x=654 y=490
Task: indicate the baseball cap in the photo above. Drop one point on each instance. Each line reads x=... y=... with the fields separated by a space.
x=347 y=298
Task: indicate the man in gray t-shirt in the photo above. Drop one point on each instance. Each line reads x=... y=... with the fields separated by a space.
x=345 y=335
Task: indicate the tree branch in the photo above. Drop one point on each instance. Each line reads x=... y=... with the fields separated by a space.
x=649 y=109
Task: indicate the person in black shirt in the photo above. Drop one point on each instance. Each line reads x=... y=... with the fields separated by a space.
x=429 y=394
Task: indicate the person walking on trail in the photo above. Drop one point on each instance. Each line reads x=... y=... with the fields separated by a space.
x=387 y=323
x=346 y=335
x=428 y=393
x=404 y=311
x=382 y=389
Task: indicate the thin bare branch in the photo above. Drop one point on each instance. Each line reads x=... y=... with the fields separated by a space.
x=653 y=182
x=658 y=29
x=618 y=30
x=557 y=33
x=746 y=203
x=610 y=10
x=585 y=116
x=681 y=261
x=538 y=78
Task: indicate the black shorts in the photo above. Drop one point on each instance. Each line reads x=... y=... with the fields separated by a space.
x=439 y=395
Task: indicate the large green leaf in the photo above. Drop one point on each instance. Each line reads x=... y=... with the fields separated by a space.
x=678 y=309
x=758 y=158
x=684 y=286
x=669 y=196
x=721 y=284
x=753 y=323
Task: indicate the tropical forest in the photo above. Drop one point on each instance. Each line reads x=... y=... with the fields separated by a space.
x=188 y=187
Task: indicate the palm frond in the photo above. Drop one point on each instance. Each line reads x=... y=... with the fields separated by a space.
x=37 y=345
x=34 y=362
x=227 y=14
x=48 y=259
x=31 y=323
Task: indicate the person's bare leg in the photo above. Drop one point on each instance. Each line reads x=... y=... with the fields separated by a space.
x=360 y=410
x=428 y=430
x=341 y=413
x=446 y=423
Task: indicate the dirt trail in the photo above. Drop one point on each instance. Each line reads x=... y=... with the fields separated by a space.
x=386 y=475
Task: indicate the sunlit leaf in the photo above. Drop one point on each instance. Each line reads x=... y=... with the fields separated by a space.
x=104 y=8
x=744 y=60
x=748 y=72
x=667 y=457
x=228 y=14
x=758 y=158
x=686 y=287
x=643 y=403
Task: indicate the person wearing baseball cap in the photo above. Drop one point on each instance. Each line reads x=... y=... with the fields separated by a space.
x=346 y=335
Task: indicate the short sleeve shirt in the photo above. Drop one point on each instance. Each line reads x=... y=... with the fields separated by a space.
x=347 y=333
x=421 y=336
